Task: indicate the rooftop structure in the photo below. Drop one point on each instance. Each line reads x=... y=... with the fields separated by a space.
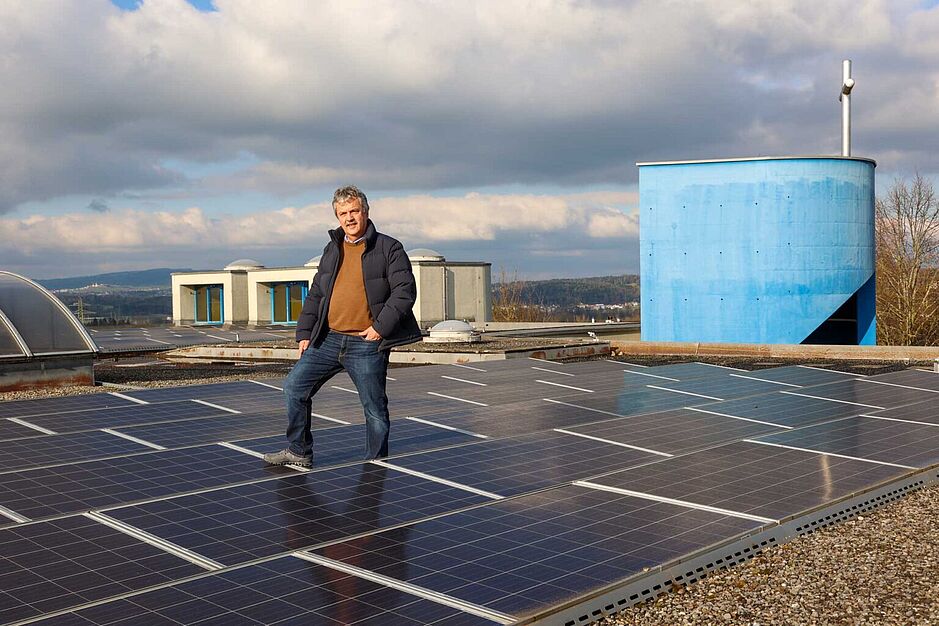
x=41 y=341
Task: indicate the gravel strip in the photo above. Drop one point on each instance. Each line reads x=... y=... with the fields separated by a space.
x=880 y=568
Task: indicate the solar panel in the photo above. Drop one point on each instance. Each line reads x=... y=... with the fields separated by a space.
x=726 y=388
x=884 y=440
x=54 y=565
x=237 y=524
x=784 y=409
x=56 y=449
x=869 y=395
x=801 y=375
x=56 y=406
x=345 y=444
x=125 y=416
x=919 y=412
x=635 y=401
x=79 y=487
x=287 y=590
x=674 y=432
x=753 y=479
x=205 y=392
x=12 y=430
x=222 y=428
x=910 y=377
x=529 y=553
x=526 y=463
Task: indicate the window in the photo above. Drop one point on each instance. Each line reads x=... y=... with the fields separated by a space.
x=286 y=301
x=209 y=304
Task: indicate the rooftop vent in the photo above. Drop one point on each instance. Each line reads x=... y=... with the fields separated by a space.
x=452 y=331
x=243 y=264
x=425 y=254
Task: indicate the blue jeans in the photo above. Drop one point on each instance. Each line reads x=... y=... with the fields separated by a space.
x=367 y=367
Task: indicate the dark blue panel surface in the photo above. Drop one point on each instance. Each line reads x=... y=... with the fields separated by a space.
x=785 y=409
x=57 y=449
x=208 y=392
x=530 y=553
x=755 y=479
x=226 y=427
x=237 y=524
x=726 y=388
x=55 y=406
x=12 y=430
x=920 y=412
x=49 y=566
x=286 y=591
x=910 y=377
x=801 y=375
x=872 y=395
x=345 y=444
x=633 y=401
x=512 y=466
x=674 y=432
x=124 y=416
x=50 y=491
x=889 y=441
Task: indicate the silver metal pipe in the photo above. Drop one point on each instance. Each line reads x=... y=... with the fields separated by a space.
x=847 y=84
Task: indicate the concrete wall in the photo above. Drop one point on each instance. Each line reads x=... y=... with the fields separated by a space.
x=756 y=251
x=452 y=291
x=185 y=283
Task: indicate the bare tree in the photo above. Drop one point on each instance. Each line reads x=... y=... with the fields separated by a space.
x=510 y=304
x=907 y=239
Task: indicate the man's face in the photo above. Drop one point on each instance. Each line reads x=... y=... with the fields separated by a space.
x=352 y=218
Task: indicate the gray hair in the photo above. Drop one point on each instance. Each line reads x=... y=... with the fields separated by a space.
x=350 y=192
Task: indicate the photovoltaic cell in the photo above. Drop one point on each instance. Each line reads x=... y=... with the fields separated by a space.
x=205 y=392
x=12 y=430
x=512 y=466
x=910 y=377
x=725 y=388
x=919 y=412
x=870 y=394
x=238 y=524
x=52 y=491
x=798 y=375
x=345 y=444
x=530 y=553
x=56 y=406
x=228 y=427
x=785 y=409
x=58 y=449
x=124 y=416
x=750 y=478
x=285 y=591
x=674 y=432
x=889 y=441
x=49 y=566
x=634 y=401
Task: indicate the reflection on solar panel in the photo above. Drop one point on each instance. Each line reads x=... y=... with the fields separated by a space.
x=515 y=490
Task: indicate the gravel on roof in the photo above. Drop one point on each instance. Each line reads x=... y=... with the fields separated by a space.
x=880 y=568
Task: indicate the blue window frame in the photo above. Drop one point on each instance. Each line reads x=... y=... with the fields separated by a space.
x=287 y=301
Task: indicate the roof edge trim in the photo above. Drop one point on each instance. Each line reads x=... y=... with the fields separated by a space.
x=837 y=157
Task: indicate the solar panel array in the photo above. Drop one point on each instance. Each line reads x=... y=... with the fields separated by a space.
x=513 y=488
x=111 y=340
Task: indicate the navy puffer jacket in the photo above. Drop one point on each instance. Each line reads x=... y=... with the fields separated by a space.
x=390 y=290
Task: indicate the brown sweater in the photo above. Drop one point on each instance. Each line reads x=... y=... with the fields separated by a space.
x=348 y=306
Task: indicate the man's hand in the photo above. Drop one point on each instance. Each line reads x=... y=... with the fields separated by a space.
x=370 y=334
x=301 y=346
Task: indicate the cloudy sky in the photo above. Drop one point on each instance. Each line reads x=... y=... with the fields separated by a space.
x=167 y=133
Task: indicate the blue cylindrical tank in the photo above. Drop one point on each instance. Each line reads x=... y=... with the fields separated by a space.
x=758 y=250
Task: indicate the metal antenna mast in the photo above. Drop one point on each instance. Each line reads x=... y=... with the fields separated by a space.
x=847 y=84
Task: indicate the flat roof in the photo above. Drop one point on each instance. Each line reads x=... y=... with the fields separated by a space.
x=761 y=158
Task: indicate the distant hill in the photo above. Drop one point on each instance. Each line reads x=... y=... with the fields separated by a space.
x=565 y=292
x=159 y=277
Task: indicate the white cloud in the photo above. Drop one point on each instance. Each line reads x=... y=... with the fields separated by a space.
x=425 y=95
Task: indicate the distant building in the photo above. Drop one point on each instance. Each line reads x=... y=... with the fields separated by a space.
x=246 y=292
x=758 y=250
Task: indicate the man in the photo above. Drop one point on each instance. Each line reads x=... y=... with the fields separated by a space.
x=358 y=307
